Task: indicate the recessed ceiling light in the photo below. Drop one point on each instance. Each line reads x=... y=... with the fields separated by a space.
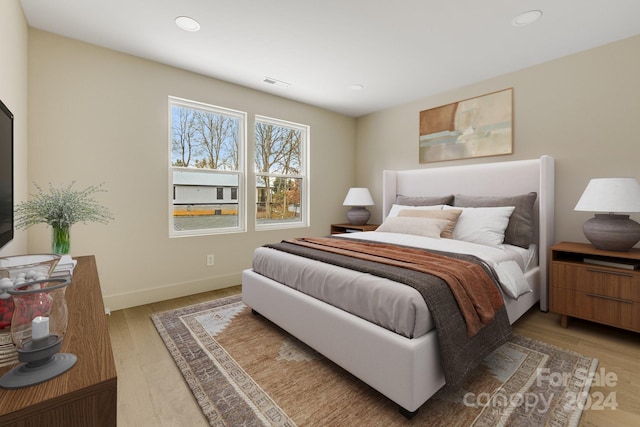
x=187 y=24
x=526 y=18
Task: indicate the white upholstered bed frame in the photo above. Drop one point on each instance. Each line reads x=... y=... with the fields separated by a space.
x=408 y=371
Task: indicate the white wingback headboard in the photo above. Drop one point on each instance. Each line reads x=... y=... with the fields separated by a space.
x=487 y=179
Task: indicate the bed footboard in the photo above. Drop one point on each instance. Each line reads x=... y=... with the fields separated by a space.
x=407 y=371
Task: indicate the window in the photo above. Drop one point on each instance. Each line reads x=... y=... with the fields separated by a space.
x=281 y=174
x=206 y=151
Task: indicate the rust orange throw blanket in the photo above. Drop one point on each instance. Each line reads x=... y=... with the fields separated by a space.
x=473 y=289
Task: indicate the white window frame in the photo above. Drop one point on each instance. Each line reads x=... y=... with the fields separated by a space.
x=305 y=198
x=240 y=173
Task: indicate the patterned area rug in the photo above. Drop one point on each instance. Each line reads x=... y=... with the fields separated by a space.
x=245 y=371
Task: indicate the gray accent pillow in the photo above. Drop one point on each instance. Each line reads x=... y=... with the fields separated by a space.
x=423 y=200
x=519 y=232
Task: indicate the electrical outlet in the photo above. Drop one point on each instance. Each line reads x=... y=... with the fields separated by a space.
x=210 y=260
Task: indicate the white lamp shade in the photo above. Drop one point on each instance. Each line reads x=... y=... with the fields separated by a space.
x=610 y=195
x=358 y=197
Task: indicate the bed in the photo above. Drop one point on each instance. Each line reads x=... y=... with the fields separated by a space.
x=406 y=369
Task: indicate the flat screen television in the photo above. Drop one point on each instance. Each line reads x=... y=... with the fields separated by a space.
x=6 y=175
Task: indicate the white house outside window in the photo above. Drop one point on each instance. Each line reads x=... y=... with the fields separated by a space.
x=206 y=172
x=281 y=168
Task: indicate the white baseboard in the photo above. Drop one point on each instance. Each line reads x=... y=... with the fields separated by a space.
x=174 y=290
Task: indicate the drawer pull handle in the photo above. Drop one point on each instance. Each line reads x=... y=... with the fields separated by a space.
x=616 y=273
x=626 y=301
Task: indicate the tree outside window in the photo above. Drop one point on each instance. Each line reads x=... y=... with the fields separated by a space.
x=206 y=146
x=281 y=173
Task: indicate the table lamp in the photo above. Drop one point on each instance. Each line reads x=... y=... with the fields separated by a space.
x=610 y=231
x=358 y=198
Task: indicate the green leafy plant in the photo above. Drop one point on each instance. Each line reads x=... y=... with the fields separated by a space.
x=62 y=207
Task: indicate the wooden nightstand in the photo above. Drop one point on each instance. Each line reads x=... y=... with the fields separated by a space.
x=348 y=228
x=601 y=286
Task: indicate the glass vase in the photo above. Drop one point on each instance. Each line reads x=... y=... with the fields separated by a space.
x=38 y=326
x=60 y=240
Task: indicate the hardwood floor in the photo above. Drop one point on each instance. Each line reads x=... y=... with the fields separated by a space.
x=152 y=392
x=151 y=389
x=618 y=353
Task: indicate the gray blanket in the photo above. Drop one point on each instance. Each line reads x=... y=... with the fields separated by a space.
x=460 y=355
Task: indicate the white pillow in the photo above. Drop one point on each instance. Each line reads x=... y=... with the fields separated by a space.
x=427 y=227
x=485 y=226
x=395 y=209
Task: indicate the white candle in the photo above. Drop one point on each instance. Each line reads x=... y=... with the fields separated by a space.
x=39 y=327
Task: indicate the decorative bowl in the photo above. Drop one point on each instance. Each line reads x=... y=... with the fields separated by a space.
x=20 y=270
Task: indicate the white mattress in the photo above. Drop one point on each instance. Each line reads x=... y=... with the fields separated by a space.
x=394 y=306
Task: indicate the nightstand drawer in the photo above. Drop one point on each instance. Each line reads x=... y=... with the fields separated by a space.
x=620 y=313
x=595 y=280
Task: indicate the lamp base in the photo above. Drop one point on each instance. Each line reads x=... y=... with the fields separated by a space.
x=28 y=374
x=610 y=232
x=358 y=215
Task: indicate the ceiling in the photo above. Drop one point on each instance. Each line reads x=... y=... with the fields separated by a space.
x=397 y=50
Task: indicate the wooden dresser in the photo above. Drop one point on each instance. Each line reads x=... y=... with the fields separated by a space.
x=596 y=285
x=86 y=395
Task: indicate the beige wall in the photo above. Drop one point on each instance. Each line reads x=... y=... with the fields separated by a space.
x=96 y=115
x=582 y=109
x=13 y=92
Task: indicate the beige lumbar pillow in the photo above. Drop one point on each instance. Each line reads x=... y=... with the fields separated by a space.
x=451 y=215
x=427 y=227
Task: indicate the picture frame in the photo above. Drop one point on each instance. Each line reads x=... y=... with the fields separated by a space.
x=474 y=127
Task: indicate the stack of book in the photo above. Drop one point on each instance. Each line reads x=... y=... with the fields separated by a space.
x=65 y=267
x=617 y=263
x=8 y=353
